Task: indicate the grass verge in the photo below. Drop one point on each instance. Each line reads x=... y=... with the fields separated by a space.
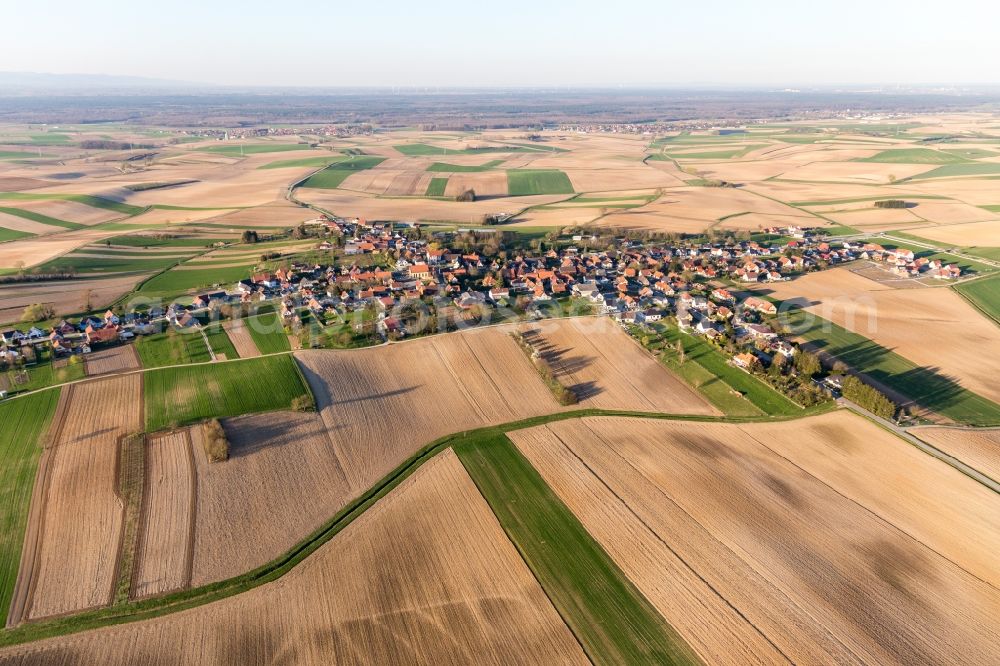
x=614 y=623
x=218 y=390
x=23 y=422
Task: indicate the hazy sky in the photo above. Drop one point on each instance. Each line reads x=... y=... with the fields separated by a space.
x=515 y=42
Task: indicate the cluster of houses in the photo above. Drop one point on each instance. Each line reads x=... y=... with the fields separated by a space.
x=361 y=129
x=903 y=262
x=70 y=338
x=634 y=282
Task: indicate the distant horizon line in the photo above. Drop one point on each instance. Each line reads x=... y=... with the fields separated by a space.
x=39 y=80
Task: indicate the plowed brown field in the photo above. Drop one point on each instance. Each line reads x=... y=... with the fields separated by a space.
x=427 y=575
x=977 y=448
x=116 y=359
x=792 y=564
x=607 y=369
x=165 y=540
x=240 y=337
x=381 y=405
x=284 y=476
x=71 y=565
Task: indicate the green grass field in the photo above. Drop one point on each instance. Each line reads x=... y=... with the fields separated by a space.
x=992 y=253
x=306 y=162
x=150 y=241
x=219 y=390
x=956 y=170
x=38 y=217
x=436 y=187
x=971 y=153
x=44 y=374
x=759 y=394
x=335 y=174
x=268 y=333
x=984 y=294
x=172 y=348
x=460 y=168
x=236 y=150
x=108 y=264
x=11 y=234
x=538 y=181
x=86 y=199
x=914 y=156
x=220 y=342
x=426 y=150
x=16 y=155
x=715 y=390
x=702 y=139
x=177 y=282
x=610 y=618
x=728 y=153
x=924 y=385
x=50 y=138
x=22 y=423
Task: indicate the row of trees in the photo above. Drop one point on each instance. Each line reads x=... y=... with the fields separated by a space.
x=868 y=397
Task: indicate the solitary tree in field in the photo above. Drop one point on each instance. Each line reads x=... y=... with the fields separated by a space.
x=86 y=295
x=37 y=312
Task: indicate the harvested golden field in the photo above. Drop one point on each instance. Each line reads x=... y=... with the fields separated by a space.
x=116 y=359
x=875 y=217
x=240 y=184
x=744 y=172
x=381 y=405
x=409 y=183
x=71 y=549
x=65 y=296
x=753 y=557
x=240 y=336
x=932 y=502
x=965 y=235
x=952 y=212
x=442 y=384
x=158 y=216
x=755 y=221
x=427 y=575
x=17 y=223
x=284 y=474
x=975 y=191
x=855 y=172
x=976 y=448
x=557 y=217
x=68 y=211
x=485 y=184
x=33 y=251
x=713 y=203
x=273 y=215
x=609 y=370
x=356 y=204
x=598 y=180
x=903 y=320
x=654 y=218
x=163 y=560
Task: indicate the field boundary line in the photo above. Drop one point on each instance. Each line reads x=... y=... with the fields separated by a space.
x=646 y=526
x=177 y=601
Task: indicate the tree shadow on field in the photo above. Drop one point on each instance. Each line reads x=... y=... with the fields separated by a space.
x=374 y=396
x=248 y=436
x=585 y=390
